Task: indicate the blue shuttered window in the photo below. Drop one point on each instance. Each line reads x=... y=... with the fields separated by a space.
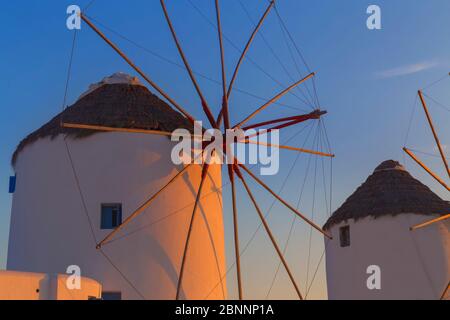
x=111 y=216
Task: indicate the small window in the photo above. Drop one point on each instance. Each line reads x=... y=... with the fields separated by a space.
x=12 y=184
x=111 y=295
x=344 y=236
x=111 y=216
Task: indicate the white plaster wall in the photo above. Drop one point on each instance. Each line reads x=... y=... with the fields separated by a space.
x=414 y=264
x=50 y=230
x=39 y=286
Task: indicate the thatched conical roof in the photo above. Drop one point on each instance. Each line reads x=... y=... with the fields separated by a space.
x=390 y=190
x=111 y=103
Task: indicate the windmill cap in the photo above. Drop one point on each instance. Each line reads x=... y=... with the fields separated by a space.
x=118 y=101
x=389 y=191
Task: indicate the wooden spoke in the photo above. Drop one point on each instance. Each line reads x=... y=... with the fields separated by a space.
x=274 y=99
x=269 y=232
x=236 y=232
x=205 y=105
x=436 y=138
x=428 y=170
x=316 y=114
x=259 y=181
x=224 y=110
x=244 y=52
x=444 y=294
x=114 y=129
x=247 y=46
x=142 y=208
x=430 y=222
x=191 y=225
x=138 y=70
x=317 y=153
x=279 y=127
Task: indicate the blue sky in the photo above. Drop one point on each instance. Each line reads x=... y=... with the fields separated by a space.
x=367 y=80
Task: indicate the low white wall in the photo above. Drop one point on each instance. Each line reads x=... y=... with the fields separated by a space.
x=414 y=264
x=39 y=286
x=50 y=231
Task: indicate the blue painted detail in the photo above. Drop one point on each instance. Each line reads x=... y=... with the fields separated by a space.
x=111 y=216
x=12 y=184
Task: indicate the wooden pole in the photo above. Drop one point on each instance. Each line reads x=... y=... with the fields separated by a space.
x=114 y=129
x=225 y=113
x=420 y=163
x=244 y=52
x=142 y=208
x=247 y=46
x=205 y=105
x=259 y=181
x=236 y=232
x=317 y=153
x=316 y=114
x=430 y=222
x=269 y=232
x=274 y=99
x=436 y=138
x=444 y=294
x=224 y=110
x=138 y=70
x=191 y=225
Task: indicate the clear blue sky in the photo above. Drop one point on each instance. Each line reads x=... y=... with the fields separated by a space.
x=367 y=80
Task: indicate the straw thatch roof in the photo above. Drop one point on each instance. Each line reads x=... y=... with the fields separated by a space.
x=121 y=105
x=390 y=190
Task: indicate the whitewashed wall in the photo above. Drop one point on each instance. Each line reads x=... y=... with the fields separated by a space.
x=50 y=231
x=414 y=264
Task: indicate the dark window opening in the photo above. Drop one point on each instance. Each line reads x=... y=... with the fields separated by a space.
x=344 y=236
x=111 y=295
x=111 y=216
x=12 y=184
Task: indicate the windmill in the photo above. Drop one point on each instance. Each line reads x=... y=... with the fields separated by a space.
x=236 y=171
x=412 y=154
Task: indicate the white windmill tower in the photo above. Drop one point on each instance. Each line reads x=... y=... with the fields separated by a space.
x=372 y=236
x=52 y=229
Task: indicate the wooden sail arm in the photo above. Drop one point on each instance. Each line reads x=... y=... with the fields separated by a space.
x=243 y=54
x=302 y=150
x=205 y=169
x=269 y=233
x=428 y=170
x=113 y=129
x=205 y=105
x=316 y=114
x=430 y=222
x=137 y=69
x=224 y=109
x=247 y=46
x=236 y=232
x=274 y=99
x=435 y=135
x=260 y=182
x=279 y=127
x=445 y=292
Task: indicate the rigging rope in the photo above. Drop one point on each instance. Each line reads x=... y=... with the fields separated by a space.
x=294 y=217
x=297 y=67
x=247 y=245
x=312 y=219
x=272 y=51
x=76 y=177
x=180 y=66
x=297 y=48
